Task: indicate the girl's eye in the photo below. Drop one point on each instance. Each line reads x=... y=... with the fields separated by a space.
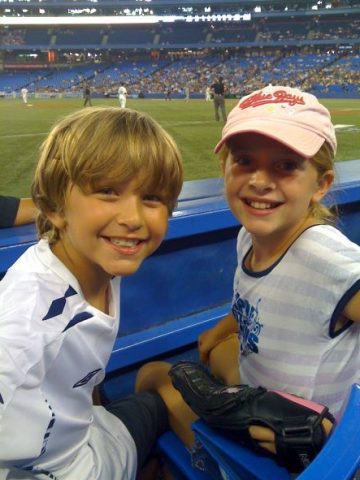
x=241 y=160
x=288 y=165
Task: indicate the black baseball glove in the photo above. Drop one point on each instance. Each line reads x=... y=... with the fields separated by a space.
x=296 y=423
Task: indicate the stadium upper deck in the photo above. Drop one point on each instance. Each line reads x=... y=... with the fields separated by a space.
x=188 y=9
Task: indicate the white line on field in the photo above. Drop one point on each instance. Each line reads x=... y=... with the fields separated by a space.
x=165 y=124
x=18 y=135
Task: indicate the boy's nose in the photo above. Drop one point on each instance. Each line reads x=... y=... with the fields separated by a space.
x=130 y=214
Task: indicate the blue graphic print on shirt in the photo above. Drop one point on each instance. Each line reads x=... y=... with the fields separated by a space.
x=247 y=317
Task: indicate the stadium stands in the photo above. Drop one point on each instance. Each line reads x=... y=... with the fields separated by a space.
x=308 y=45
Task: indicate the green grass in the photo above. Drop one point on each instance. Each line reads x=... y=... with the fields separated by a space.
x=192 y=124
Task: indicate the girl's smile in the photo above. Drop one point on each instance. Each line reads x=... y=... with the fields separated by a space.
x=260 y=206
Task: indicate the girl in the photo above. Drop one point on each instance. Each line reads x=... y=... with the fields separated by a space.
x=296 y=302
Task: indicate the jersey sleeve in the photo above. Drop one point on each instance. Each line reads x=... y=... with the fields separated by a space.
x=8 y=210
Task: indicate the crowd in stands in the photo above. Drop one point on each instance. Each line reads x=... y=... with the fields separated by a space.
x=243 y=70
x=302 y=51
x=15 y=36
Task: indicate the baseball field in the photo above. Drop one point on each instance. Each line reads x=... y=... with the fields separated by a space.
x=24 y=127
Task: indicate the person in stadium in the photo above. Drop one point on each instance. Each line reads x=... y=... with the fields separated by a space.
x=187 y=93
x=168 y=93
x=122 y=94
x=16 y=211
x=207 y=94
x=87 y=95
x=294 y=325
x=24 y=95
x=218 y=94
x=106 y=182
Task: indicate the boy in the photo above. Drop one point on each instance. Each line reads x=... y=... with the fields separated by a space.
x=106 y=182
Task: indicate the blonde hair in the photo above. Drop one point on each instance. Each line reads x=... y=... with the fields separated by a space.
x=322 y=161
x=100 y=143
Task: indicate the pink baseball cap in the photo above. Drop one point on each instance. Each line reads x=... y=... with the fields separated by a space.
x=292 y=117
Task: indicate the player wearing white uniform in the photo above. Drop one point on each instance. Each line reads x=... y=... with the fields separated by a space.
x=122 y=94
x=24 y=94
x=208 y=94
x=100 y=215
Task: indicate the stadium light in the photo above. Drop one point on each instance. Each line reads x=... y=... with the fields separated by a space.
x=88 y=20
x=118 y=20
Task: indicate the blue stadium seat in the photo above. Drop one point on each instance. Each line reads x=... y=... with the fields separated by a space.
x=178 y=459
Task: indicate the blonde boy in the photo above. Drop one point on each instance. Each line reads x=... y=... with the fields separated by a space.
x=106 y=182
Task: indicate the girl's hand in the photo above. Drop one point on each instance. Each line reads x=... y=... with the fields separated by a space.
x=265 y=437
x=206 y=342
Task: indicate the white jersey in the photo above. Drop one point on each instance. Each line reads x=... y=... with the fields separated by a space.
x=208 y=94
x=54 y=348
x=122 y=92
x=24 y=93
x=287 y=314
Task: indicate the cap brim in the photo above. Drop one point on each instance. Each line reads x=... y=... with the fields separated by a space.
x=303 y=141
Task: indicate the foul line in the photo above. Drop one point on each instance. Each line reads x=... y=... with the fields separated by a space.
x=166 y=124
x=17 y=135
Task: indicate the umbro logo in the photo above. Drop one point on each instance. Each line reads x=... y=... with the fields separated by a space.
x=86 y=379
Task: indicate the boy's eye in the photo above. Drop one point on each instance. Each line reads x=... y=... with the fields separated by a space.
x=106 y=191
x=152 y=197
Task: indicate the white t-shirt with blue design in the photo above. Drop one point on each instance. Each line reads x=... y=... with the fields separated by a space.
x=54 y=348
x=287 y=315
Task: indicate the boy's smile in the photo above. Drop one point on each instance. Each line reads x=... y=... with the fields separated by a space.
x=269 y=187
x=109 y=230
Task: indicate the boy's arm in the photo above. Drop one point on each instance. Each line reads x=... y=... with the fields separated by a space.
x=352 y=308
x=210 y=338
